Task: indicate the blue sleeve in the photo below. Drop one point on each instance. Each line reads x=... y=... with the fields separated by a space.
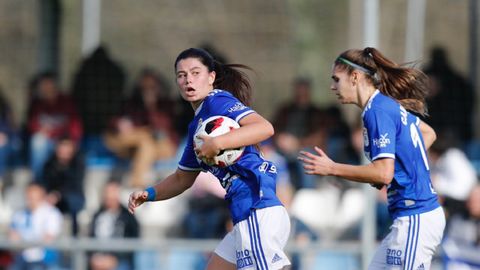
x=229 y=106
x=381 y=131
x=189 y=161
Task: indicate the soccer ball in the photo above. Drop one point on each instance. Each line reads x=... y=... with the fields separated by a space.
x=215 y=126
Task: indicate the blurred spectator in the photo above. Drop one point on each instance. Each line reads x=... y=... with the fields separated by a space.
x=383 y=220
x=296 y=126
x=8 y=136
x=207 y=214
x=183 y=116
x=285 y=190
x=63 y=177
x=451 y=99
x=98 y=88
x=38 y=222
x=145 y=129
x=206 y=218
x=113 y=220
x=301 y=233
x=453 y=175
x=51 y=114
x=6 y=259
x=462 y=238
x=339 y=141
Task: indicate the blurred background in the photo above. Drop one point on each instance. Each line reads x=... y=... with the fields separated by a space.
x=89 y=112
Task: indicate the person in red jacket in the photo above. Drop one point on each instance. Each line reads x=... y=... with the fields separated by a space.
x=51 y=115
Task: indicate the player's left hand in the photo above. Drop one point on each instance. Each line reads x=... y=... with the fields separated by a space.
x=319 y=164
x=209 y=149
x=136 y=199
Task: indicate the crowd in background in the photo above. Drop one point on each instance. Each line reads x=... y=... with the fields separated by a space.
x=138 y=132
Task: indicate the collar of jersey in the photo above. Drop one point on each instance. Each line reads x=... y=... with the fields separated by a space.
x=199 y=107
x=213 y=92
x=369 y=103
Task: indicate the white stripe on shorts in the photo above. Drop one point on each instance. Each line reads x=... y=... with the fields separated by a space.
x=258 y=241
x=255 y=241
x=412 y=241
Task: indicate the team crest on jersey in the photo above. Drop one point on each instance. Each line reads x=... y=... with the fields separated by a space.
x=382 y=142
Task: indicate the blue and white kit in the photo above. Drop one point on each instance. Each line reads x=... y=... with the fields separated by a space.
x=250 y=184
x=392 y=132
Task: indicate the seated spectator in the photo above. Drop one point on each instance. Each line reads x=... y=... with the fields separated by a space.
x=284 y=190
x=453 y=175
x=145 y=130
x=38 y=222
x=96 y=88
x=8 y=136
x=383 y=220
x=63 y=177
x=339 y=136
x=207 y=214
x=296 y=126
x=451 y=97
x=51 y=114
x=112 y=220
x=462 y=238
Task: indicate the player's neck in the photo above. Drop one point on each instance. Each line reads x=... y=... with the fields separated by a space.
x=365 y=95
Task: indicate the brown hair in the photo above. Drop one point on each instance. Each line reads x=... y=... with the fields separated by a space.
x=228 y=77
x=407 y=85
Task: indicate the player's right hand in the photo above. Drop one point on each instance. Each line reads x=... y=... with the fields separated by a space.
x=136 y=199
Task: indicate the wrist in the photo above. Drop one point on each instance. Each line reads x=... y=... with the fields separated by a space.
x=218 y=143
x=152 y=194
x=333 y=169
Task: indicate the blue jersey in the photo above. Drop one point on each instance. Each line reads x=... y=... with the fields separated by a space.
x=392 y=132
x=251 y=181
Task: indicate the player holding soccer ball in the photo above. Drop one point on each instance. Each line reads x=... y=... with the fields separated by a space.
x=396 y=142
x=261 y=223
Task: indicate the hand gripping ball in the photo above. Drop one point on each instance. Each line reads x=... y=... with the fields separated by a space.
x=215 y=126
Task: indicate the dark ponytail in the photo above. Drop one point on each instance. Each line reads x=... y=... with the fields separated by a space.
x=228 y=77
x=231 y=78
x=409 y=86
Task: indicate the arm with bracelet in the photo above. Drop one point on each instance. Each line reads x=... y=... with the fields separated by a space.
x=171 y=186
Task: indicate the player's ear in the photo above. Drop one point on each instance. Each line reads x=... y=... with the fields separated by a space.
x=211 y=77
x=354 y=78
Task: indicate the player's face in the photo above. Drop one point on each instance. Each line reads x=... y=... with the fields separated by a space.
x=342 y=86
x=194 y=80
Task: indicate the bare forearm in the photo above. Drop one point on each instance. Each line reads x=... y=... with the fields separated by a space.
x=362 y=173
x=172 y=186
x=246 y=135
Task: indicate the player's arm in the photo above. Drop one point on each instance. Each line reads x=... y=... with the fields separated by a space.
x=379 y=172
x=253 y=129
x=173 y=185
x=428 y=134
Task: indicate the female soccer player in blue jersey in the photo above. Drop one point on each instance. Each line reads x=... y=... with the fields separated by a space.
x=396 y=142
x=261 y=223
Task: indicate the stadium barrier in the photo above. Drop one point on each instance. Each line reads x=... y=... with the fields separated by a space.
x=169 y=253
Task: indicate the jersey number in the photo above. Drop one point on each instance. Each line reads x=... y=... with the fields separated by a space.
x=417 y=142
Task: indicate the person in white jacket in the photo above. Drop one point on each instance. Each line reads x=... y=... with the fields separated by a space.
x=38 y=222
x=453 y=175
